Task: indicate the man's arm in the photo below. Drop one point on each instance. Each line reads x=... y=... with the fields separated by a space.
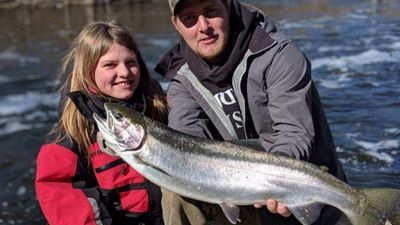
x=290 y=104
x=289 y=88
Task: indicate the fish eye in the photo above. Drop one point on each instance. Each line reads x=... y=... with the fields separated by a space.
x=118 y=116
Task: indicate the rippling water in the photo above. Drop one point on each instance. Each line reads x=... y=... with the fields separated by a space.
x=354 y=47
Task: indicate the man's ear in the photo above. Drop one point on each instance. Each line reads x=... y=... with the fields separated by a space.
x=173 y=21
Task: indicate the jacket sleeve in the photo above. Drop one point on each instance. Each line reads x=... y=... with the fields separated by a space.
x=289 y=89
x=185 y=114
x=60 y=202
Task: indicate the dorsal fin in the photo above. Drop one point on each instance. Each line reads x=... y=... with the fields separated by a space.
x=249 y=143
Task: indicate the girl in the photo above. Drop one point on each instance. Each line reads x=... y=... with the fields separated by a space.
x=75 y=182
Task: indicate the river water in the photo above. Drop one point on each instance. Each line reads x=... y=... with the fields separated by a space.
x=354 y=47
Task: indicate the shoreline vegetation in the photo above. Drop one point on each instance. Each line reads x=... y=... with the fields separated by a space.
x=9 y=4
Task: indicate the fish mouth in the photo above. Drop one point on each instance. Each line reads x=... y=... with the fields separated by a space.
x=106 y=126
x=119 y=134
x=102 y=124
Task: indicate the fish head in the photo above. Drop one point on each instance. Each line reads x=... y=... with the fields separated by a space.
x=123 y=129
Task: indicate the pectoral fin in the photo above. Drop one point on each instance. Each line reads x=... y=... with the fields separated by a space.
x=306 y=214
x=231 y=212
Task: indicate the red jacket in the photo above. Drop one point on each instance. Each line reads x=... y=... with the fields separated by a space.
x=72 y=191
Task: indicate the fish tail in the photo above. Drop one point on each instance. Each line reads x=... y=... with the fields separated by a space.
x=380 y=208
x=395 y=216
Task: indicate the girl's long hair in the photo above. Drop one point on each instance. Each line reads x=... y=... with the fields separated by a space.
x=78 y=68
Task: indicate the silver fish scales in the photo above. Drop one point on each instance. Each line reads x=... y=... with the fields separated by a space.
x=231 y=173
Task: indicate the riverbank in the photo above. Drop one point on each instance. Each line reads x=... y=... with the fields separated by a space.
x=10 y=4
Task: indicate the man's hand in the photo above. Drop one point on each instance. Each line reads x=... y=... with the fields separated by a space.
x=275 y=207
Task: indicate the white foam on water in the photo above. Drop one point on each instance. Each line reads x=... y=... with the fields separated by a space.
x=22 y=190
x=372 y=149
x=363 y=58
x=339 y=149
x=11 y=55
x=331 y=84
x=357 y=16
x=12 y=106
x=35 y=115
x=352 y=160
x=5 y=79
x=392 y=131
x=317 y=23
x=353 y=135
x=24 y=78
x=374 y=146
x=382 y=156
x=335 y=48
x=9 y=119
x=160 y=42
x=63 y=33
x=395 y=45
x=13 y=127
x=16 y=126
x=368 y=41
x=390 y=37
x=340 y=82
x=15 y=104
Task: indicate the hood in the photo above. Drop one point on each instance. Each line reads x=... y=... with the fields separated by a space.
x=87 y=104
x=248 y=16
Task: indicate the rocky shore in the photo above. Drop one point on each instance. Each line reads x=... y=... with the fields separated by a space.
x=61 y=3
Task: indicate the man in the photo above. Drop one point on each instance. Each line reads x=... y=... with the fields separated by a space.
x=233 y=76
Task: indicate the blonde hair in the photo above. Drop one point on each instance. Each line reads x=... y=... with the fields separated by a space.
x=94 y=41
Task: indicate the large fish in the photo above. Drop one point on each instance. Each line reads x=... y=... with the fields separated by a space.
x=230 y=174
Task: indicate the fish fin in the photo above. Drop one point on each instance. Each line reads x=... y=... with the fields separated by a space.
x=306 y=214
x=394 y=217
x=138 y=160
x=380 y=208
x=231 y=212
x=388 y=223
x=249 y=143
x=324 y=168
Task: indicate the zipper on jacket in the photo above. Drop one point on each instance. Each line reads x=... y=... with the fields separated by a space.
x=237 y=78
x=209 y=98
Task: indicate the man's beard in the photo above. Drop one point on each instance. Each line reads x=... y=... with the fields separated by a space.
x=217 y=54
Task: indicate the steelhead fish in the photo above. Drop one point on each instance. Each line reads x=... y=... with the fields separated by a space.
x=229 y=174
